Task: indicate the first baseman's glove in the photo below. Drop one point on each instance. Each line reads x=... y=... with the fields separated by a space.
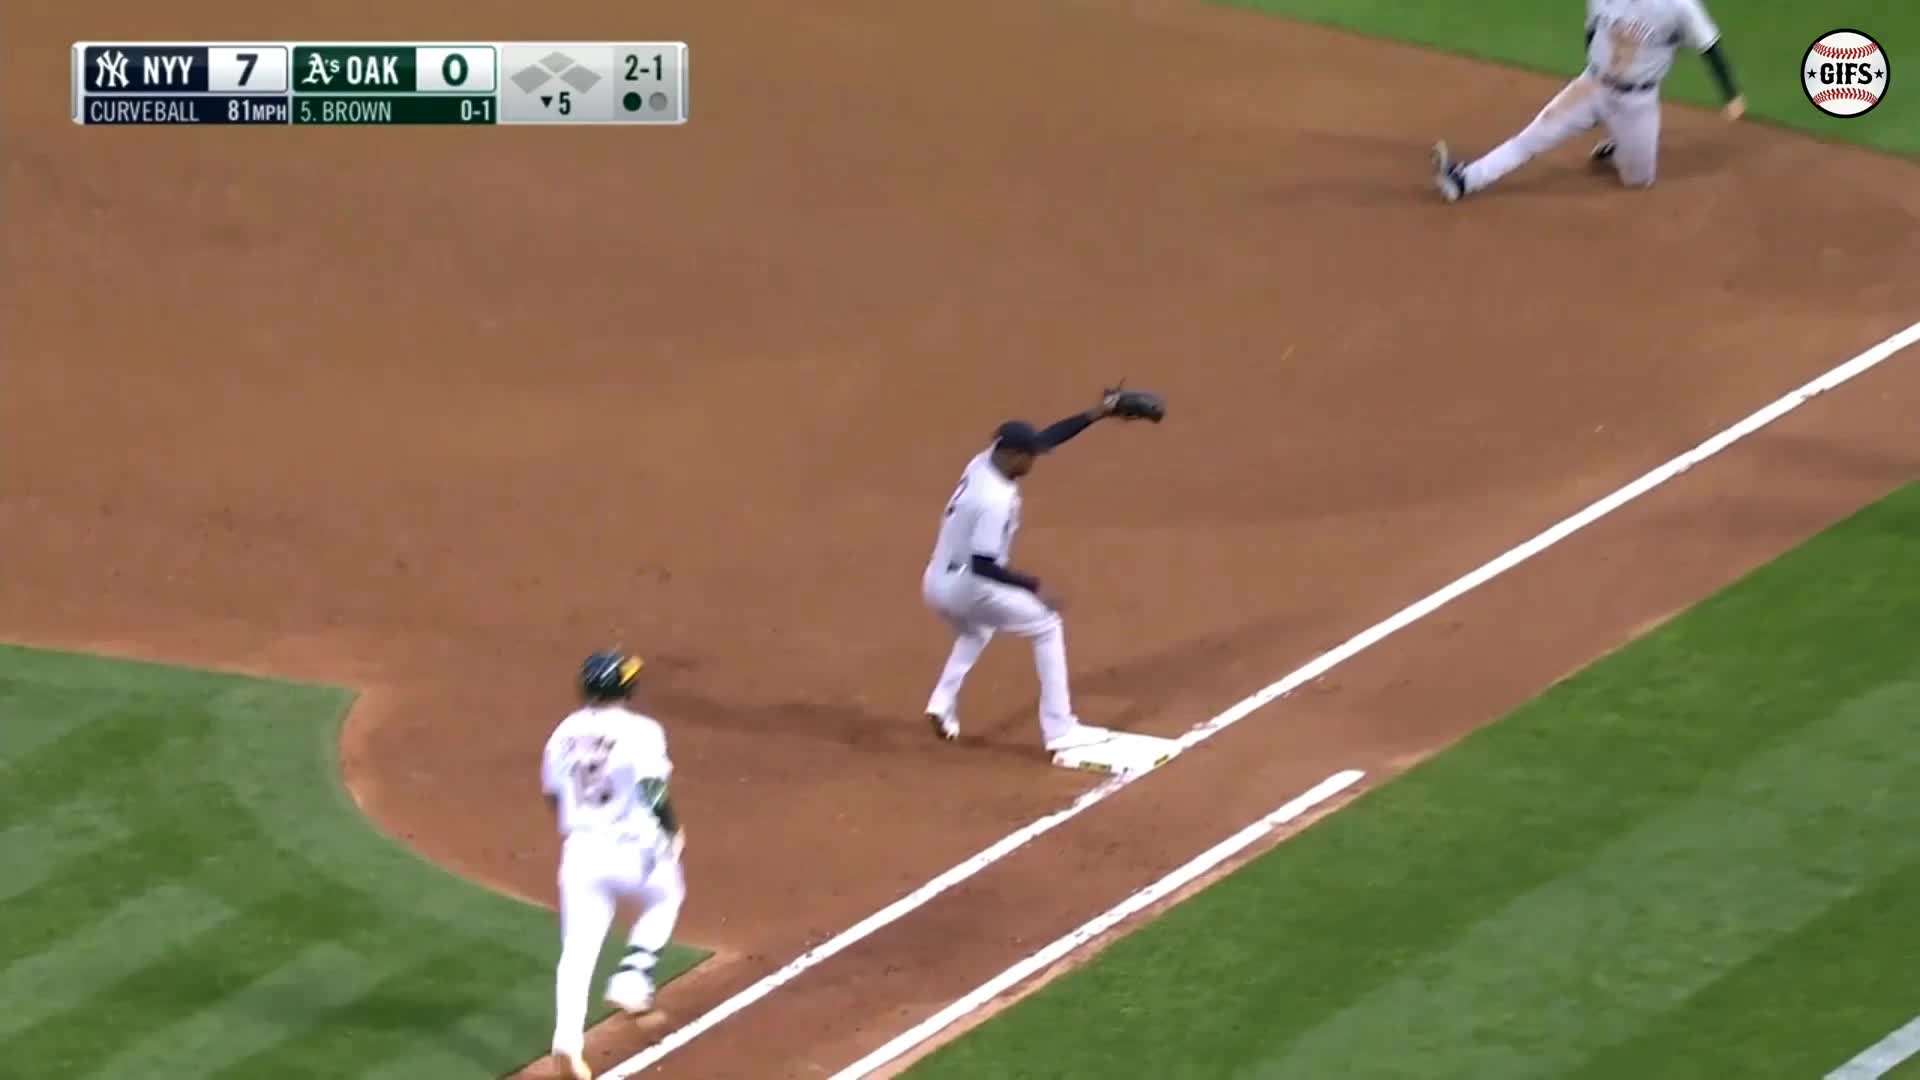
x=1135 y=404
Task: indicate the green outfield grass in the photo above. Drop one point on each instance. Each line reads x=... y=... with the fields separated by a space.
x=1766 y=40
x=187 y=891
x=1697 y=858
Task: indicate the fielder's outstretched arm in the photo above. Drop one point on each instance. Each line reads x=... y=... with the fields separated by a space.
x=1051 y=437
x=1060 y=431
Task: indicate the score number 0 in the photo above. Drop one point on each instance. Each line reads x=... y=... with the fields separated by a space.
x=453 y=72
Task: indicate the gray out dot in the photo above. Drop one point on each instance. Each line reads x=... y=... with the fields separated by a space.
x=658 y=100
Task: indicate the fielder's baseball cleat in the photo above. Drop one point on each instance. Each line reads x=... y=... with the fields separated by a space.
x=1078 y=736
x=1447 y=177
x=944 y=727
x=1601 y=151
x=574 y=1064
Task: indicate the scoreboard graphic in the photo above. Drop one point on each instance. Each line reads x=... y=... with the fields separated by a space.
x=380 y=83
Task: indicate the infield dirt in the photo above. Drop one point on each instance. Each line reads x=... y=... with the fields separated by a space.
x=432 y=412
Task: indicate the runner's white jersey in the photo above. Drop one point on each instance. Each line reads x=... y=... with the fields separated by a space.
x=607 y=766
x=1634 y=40
x=981 y=516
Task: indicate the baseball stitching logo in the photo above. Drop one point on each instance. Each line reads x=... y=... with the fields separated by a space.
x=1846 y=73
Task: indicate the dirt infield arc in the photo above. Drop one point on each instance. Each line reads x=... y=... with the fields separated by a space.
x=430 y=412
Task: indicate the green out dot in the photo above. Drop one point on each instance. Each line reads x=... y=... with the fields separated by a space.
x=632 y=101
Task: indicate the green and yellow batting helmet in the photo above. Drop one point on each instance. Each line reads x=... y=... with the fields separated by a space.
x=609 y=674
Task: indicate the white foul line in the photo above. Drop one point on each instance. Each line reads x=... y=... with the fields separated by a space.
x=1882 y=1057
x=1322 y=664
x=1099 y=924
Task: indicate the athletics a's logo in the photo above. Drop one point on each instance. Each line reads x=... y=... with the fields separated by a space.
x=1846 y=73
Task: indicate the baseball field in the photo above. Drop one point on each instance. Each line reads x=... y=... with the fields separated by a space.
x=329 y=452
x=190 y=893
x=1696 y=858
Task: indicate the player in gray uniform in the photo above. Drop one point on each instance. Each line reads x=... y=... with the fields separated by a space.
x=970 y=586
x=1630 y=47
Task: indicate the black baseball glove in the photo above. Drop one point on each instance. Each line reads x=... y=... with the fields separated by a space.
x=1135 y=404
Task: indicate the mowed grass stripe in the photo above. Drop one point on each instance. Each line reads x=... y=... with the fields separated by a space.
x=1839 y=983
x=69 y=900
x=93 y=752
x=447 y=1015
x=1653 y=918
x=439 y=1016
x=278 y=999
x=137 y=930
x=178 y=825
x=195 y=972
x=31 y=718
x=128 y=1000
x=200 y=973
x=35 y=849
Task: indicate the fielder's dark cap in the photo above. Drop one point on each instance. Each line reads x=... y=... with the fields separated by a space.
x=1018 y=436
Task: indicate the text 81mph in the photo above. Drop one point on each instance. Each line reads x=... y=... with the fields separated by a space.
x=242 y=111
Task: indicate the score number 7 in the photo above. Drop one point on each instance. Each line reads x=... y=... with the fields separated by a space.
x=249 y=59
x=634 y=69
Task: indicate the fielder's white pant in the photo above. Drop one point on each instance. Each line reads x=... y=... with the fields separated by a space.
x=976 y=608
x=1632 y=120
x=597 y=871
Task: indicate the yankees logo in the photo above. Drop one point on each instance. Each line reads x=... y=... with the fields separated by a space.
x=110 y=70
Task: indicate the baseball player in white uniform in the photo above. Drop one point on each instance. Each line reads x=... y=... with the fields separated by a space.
x=969 y=584
x=1630 y=47
x=605 y=775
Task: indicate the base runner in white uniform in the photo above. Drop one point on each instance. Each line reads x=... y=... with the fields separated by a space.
x=1630 y=47
x=605 y=774
x=969 y=584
